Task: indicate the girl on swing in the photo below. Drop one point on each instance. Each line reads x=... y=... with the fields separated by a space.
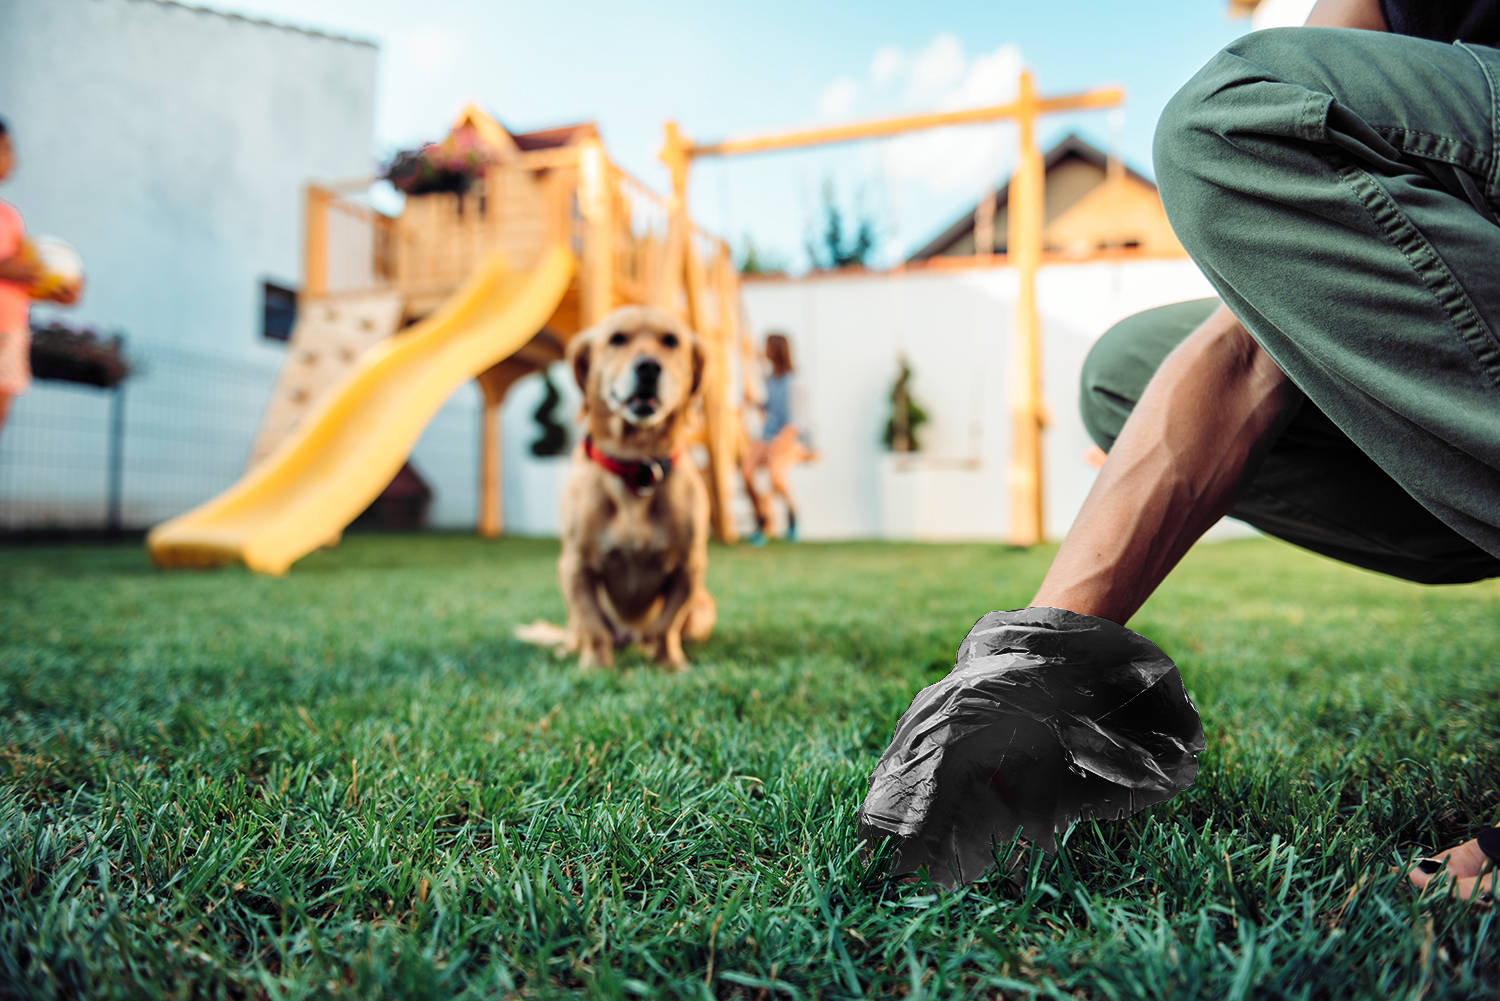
x=783 y=440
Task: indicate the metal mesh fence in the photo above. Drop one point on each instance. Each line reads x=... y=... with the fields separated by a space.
x=176 y=432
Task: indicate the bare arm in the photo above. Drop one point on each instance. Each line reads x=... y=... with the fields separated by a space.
x=20 y=269
x=1347 y=14
x=1198 y=432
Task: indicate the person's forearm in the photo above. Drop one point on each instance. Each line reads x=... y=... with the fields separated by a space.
x=1347 y=14
x=1200 y=428
x=16 y=269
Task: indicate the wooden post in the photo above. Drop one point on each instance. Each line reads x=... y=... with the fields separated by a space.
x=672 y=267
x=679 y=268
x=720 y=410
x=491 y=499
x=555 y=191
x=984 y=225
x=315 y=242
x=1025 y=252
x=598 y=237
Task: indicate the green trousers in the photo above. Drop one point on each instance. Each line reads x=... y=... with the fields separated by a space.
x=1340 y=191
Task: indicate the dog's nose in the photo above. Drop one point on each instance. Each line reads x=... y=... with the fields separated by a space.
x=647 y=370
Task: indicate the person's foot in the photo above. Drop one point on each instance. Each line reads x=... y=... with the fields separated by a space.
x=791 y=534
x=756 y=538
x=1468 y=871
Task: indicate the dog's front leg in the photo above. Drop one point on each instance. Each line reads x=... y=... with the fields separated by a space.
x=667 y=649
x=587 y=623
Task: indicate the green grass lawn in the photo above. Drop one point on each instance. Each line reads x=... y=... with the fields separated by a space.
x=352 y=781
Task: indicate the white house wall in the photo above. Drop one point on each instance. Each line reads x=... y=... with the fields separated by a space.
x=955 y=327
x=170 y=145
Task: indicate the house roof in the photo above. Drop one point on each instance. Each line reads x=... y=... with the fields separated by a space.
x=1071 y=147
x=558 y=135
x=263 y=23
x=492 y=132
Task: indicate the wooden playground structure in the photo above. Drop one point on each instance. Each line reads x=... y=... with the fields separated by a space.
x=490 y=282
x=565 y=190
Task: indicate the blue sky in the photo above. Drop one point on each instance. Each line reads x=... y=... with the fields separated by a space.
x=722 y=70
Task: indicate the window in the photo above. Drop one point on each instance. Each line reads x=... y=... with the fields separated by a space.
x=278 y=311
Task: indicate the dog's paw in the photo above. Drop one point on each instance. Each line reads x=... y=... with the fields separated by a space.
x=545 y=634
x=669 y=655
x=593 y=653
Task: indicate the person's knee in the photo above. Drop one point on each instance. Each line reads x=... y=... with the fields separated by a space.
x=1123 y=360
x=1215 y=140
x=1104 y=402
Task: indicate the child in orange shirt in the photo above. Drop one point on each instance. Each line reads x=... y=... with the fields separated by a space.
x=19 y=272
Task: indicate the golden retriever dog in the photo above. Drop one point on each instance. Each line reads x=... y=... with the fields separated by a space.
x=635 y=507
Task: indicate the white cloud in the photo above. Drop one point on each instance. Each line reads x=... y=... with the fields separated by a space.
x=888 y=63
x=838 y=98
x=911 y=182
x=965 y=159
x=936 y=68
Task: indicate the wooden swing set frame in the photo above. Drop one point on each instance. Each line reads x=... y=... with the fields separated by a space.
x=1024 y=251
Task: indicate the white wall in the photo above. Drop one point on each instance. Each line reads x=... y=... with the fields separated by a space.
x=956 y=328
x=170 y=145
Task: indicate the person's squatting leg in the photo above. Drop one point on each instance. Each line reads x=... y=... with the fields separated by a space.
x=1313 y=488
x=1339 y=189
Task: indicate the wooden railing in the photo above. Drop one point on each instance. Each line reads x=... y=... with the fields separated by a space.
x=614 y=223
x=434 y=244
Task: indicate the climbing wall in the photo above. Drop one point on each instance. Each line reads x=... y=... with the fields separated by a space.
x=330 y=336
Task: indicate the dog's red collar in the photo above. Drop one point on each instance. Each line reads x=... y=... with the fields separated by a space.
x=641 y=476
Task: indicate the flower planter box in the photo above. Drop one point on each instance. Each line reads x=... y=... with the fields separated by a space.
x=62 y=353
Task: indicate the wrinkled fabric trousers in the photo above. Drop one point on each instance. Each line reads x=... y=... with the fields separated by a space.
x=1341 y=191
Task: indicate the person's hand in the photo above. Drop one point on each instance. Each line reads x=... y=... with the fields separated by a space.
x=22 y=269
x=68 y=294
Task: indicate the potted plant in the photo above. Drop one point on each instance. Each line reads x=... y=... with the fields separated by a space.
x=450 y=166
x=74 y=354
x=907 y=415
x=554 y=436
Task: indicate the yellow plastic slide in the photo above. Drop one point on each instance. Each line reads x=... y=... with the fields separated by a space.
x=333 y=466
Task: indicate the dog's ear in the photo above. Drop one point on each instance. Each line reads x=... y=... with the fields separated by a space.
x=579 y=349
x=700 y=360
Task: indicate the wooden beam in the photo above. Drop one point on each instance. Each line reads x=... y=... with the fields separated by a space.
x=1025 y=249
x=494 y=383
x=671 y=267
x=491 y=501
x=595 y=201
x=1104 y=97
x=315 y=241
x=718 y=403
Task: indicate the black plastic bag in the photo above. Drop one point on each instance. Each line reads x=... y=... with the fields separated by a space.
x=1046 y=718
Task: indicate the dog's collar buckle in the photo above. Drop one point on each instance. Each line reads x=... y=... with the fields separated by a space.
x=641 y=476
x=648 y=474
